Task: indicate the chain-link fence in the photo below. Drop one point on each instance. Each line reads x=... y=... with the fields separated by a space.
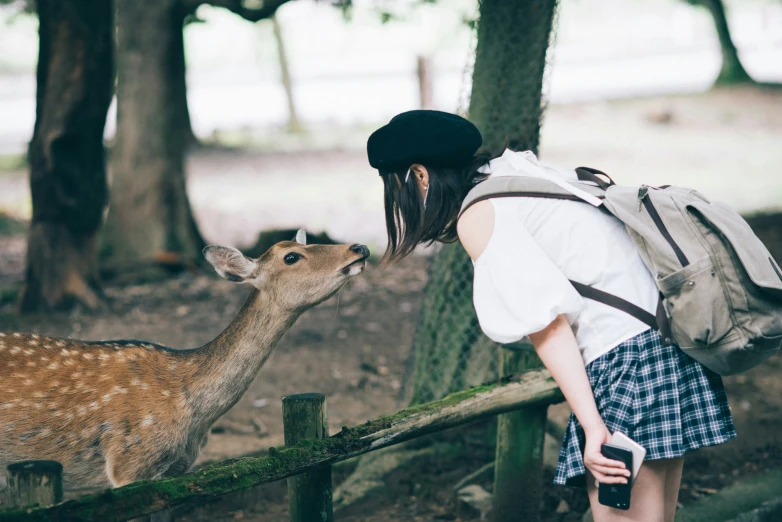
x=514 y=43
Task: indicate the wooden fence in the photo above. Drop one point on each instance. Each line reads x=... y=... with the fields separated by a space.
x=310 y=452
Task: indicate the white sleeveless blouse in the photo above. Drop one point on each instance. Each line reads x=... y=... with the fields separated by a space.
x=521 y=279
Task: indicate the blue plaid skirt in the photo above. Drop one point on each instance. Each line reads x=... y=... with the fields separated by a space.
x=657 y=395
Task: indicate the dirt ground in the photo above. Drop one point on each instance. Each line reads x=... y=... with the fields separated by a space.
x=354 y=348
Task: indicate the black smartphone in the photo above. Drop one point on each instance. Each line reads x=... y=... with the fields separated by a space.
x=616 y=495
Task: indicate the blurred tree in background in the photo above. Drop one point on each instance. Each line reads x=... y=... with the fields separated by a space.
x=150 y=220
x=731 y=71
x=67 y=164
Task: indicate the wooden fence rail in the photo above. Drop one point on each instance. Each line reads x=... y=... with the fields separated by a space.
x=534 y=388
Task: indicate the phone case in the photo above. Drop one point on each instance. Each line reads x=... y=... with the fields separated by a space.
x=616 y=495
x=638 y=451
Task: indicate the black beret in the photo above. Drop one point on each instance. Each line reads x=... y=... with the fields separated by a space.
x=432 y=138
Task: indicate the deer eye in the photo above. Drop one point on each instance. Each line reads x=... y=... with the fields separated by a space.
x=291 y=258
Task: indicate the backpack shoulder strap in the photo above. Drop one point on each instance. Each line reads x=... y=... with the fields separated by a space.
x=524 y=186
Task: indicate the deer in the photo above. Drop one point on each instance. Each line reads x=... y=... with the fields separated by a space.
x=115 y=412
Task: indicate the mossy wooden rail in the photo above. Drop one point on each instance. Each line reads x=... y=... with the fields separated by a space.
x=142 y=498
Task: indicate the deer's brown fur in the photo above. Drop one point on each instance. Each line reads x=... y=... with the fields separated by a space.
x=120 y=411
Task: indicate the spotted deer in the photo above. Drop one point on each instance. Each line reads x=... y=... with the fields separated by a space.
x=114 y=412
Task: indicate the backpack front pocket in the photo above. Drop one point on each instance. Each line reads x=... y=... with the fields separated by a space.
x=697 y=306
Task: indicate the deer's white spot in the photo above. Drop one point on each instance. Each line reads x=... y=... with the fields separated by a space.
x=82 y=410
x=32 y=343
x=2 y=334
x=31 y=364
x=37 y=406
x=6 y=406
x=94 y=405
x=69 y=362
x=44 y=359
x=17 y=334
x=53 y=366
x=38 y=395
x=60 y=343
x=69 y=416
x=119 y=389
x=28 y=352
x=47 y=346
x=53 y=406
x=147 y=421
x=135 y=382
x=28 y=382
x=87 y=356
x=36 y=336
x=12 y=364
x=165 y=393
x=107 y=397
x=15 y=350
x=104 y=357
x=104 y=377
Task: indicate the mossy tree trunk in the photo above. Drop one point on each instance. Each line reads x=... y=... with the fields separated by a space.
x=505 y=104
x=67 y=161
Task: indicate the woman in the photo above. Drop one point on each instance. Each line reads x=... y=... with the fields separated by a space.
x=613 y=370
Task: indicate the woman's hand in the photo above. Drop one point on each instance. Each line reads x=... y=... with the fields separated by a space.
x=606 y=471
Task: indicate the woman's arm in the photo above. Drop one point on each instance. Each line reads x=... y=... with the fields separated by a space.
x=558 y=350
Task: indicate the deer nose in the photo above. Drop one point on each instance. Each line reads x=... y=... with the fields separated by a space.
x=360 y=249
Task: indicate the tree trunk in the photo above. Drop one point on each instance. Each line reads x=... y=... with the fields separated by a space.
x=449 y=350
x=294 y=125
x=67 y=160
x=150 y=221
x=177 y=73
x=732 y=71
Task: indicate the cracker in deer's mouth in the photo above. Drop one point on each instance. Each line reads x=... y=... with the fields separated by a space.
x=356 y=267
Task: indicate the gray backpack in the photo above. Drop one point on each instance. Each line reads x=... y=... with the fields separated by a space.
x=720 y=289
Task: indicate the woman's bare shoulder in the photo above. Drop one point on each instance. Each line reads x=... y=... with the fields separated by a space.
x=475 y=228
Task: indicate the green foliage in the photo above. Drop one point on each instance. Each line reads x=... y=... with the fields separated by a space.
x=26 y=6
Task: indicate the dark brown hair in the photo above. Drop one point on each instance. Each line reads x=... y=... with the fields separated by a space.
x=408 y=224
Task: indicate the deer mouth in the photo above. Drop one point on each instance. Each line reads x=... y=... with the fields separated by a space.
x=356 y=267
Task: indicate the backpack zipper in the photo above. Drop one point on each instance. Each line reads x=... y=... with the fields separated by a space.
x=646 y=202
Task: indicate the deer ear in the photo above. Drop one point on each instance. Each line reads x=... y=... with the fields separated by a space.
x=301 y=237
x=230 y=263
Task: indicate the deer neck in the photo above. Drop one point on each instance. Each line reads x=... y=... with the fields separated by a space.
x=228 y=364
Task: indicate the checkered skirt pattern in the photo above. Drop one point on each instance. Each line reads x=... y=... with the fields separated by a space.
x=658 y=396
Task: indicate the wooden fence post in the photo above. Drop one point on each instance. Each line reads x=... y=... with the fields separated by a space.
x=304 y=416
x=519 y=458
x=34 y=482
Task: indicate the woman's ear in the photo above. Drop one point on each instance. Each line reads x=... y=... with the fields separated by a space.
x=421 y=176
